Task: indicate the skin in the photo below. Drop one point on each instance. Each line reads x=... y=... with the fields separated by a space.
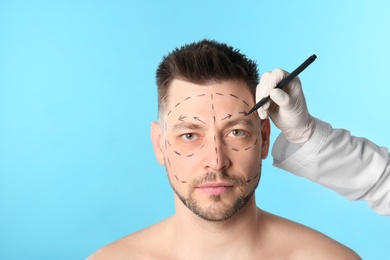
x=212 y=153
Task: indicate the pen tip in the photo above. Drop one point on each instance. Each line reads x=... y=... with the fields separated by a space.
x=250 y=112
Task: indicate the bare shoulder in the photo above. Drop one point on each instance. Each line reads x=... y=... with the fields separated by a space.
x=304 y=242
x=148 y=243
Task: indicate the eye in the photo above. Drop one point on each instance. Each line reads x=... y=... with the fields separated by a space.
x=189 y=136
x=237 y=133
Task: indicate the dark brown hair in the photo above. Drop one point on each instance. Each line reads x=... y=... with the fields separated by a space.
x=203 y=62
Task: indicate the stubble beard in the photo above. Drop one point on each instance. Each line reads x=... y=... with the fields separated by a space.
x=218 y=210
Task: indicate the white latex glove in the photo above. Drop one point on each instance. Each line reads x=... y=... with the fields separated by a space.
x=287 y=108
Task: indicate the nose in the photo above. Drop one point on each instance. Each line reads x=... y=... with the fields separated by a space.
x=215 y=157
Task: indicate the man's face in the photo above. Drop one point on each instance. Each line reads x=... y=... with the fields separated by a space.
x=211 y=150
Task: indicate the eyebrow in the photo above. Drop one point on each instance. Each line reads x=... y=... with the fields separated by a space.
x=239 y=121
x=186 y=126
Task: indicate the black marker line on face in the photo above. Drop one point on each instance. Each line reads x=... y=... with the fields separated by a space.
x=197 y=119
x=181 y=118
x=255 y=114
x=214 y=119
x=257 y=138
x=215 y=138
x=227 y=117
x=252 y=178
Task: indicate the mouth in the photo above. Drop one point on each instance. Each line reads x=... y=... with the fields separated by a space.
x=215 y=188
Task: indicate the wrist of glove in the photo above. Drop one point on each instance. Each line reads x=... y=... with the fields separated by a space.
x=301 y=135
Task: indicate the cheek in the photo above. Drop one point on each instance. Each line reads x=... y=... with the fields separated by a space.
x=182 y=148
x=179 y=162
x=252 y=171
x=248 y=161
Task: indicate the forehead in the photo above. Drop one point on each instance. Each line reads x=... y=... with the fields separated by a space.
x=193 y=106
x=227 y=93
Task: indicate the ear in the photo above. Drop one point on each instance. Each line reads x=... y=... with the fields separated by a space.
x=157 y=140
x=265 y=134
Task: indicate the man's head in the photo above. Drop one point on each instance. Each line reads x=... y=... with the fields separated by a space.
x=211 y=149
x=204 y=62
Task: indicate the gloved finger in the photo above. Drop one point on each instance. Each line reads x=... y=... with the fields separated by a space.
x=273 y=80
x=266 y=105
x=280 y=97
x=262 y=90
x=263 y=113
x=296 y=87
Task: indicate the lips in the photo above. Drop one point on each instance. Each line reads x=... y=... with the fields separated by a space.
x=215 y=188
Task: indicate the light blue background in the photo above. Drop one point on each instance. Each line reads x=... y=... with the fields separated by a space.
x=77 y=95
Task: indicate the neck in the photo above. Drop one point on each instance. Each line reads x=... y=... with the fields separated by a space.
x=195 y=234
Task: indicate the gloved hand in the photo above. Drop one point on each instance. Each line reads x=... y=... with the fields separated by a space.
x=287 y=108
